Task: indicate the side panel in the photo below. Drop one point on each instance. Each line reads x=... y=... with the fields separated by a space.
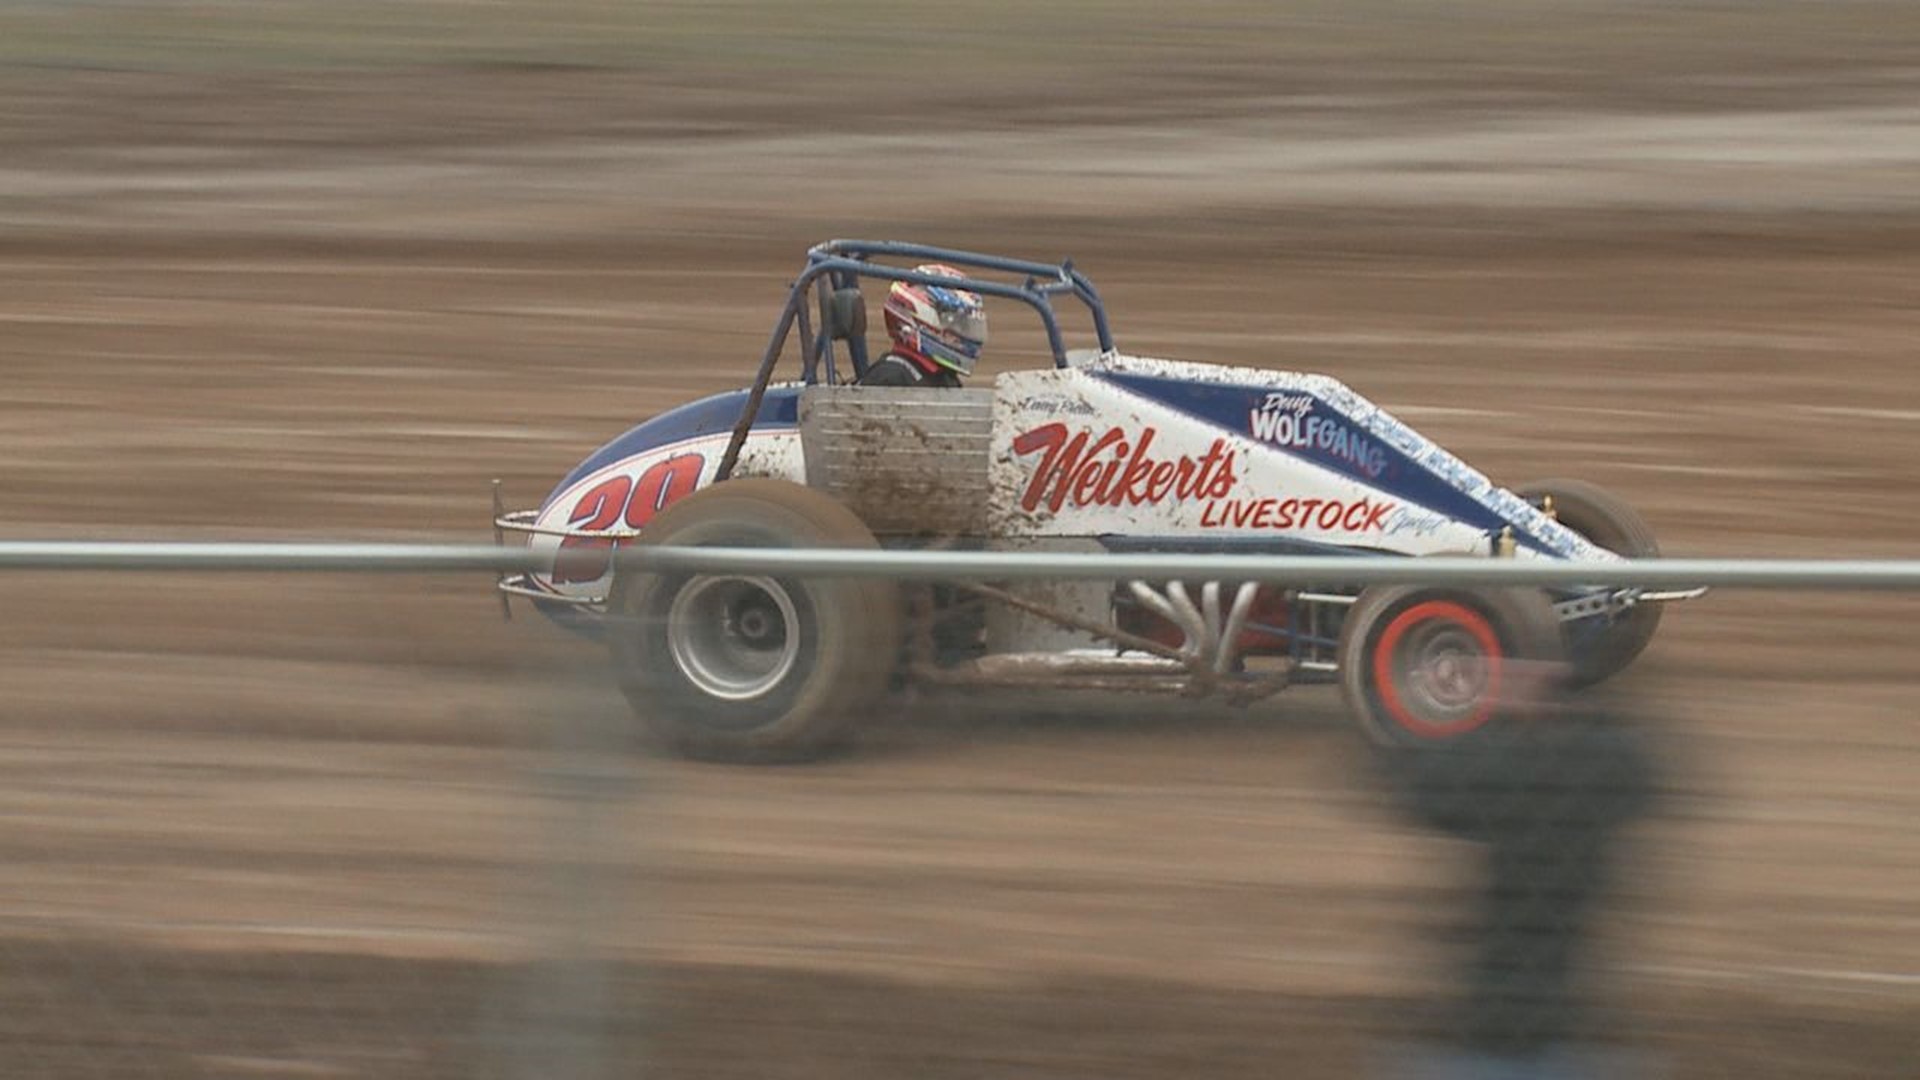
x=1079 y=455
x=1133 y=447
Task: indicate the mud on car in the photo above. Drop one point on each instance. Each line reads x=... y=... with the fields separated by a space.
x=1102 y=451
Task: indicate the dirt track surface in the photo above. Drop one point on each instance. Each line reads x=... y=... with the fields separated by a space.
x=312 y=827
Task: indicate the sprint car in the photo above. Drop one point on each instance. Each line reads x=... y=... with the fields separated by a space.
x=1102 y=451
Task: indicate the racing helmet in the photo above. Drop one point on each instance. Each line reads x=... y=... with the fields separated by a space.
x=937 y=325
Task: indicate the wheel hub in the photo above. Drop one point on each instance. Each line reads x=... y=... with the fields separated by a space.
x=733 y=637
x=1446 y=674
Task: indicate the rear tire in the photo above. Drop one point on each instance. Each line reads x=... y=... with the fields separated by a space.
x=1422 y=666
x=1599 y=653
x=740 y=666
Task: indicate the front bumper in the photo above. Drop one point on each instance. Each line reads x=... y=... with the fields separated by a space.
x=529 y=586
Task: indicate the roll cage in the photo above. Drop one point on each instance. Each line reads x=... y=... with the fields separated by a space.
x=835 y=267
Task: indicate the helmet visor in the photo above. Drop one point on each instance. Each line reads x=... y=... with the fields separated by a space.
x=969 y=324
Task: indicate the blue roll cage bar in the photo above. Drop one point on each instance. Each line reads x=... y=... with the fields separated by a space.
x=840 y=264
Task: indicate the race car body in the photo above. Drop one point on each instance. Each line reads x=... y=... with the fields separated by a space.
x=1103 y=451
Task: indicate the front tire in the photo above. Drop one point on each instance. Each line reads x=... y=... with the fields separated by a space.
x=1598 y=653
x=740 y=666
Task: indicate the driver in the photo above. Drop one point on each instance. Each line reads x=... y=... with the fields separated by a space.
x=937 y=333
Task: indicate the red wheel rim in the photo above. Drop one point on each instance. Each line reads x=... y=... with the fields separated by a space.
x=1442 y=626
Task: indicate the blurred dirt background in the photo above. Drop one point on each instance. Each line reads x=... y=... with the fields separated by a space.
x=323 y=271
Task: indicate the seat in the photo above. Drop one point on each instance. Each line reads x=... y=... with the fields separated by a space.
x=843 y=317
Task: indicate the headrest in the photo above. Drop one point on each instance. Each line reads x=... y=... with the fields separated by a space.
x=843 y=314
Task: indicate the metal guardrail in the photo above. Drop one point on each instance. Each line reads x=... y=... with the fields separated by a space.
x=970 y=565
